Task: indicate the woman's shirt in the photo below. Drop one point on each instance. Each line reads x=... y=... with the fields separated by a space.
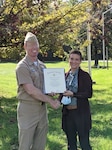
x=72 y=85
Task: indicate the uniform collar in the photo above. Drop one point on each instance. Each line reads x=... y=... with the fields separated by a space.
x=30 y=62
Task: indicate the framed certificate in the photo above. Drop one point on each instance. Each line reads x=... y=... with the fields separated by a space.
x=54 y=80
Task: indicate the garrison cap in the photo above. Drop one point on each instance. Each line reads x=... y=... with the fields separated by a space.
x=30 y=37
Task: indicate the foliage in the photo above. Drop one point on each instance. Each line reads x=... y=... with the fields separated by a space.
x=98 y=8
x=56 y=23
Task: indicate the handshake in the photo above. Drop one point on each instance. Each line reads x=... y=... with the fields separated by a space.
x=64 y=98
x=54 y=100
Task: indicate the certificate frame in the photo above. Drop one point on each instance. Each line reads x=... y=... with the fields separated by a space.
x=54 y=80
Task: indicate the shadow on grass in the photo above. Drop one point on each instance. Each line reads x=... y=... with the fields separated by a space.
x=105 y=131
x=101 y=118
x=53 y=145
x=56 y=139
x=9 y=129
x=8 y=124
x=102 y=124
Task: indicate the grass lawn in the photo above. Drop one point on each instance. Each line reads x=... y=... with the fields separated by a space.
x=101 y=109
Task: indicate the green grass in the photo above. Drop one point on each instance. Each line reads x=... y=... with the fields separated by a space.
x=101 y=108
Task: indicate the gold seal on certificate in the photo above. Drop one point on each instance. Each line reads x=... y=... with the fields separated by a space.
x=54 y=80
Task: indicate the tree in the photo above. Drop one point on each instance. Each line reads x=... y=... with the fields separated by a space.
x=98 y=7
x=53 y=22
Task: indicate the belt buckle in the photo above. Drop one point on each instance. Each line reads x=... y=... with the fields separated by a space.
x=70 y=107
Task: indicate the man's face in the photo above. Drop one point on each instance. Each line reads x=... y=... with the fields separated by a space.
x=32 y=49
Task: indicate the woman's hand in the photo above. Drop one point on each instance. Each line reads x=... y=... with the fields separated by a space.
x=68 y=93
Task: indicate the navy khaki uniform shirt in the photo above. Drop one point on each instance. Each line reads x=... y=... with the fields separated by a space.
x=28 y=72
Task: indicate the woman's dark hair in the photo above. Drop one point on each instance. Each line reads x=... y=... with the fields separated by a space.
x=76 y=52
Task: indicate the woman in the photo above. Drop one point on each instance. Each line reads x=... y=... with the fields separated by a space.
x=76 y=117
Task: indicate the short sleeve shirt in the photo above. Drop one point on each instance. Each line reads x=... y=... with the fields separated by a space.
x=27 y=72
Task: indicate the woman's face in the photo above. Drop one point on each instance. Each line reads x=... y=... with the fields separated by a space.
x=74 y=61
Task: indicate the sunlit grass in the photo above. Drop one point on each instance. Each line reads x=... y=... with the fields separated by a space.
x=101 y=109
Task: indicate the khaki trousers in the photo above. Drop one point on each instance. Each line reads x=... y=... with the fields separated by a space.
x=33 y=125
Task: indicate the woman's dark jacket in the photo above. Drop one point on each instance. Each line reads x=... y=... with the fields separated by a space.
x=83 y=109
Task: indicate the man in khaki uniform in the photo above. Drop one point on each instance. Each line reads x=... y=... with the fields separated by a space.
x=31 y=110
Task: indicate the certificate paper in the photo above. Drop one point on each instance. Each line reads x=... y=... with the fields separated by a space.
x=54 y=80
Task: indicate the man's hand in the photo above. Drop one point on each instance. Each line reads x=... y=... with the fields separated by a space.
x=55 y=104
